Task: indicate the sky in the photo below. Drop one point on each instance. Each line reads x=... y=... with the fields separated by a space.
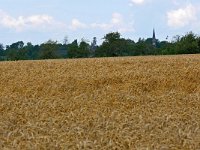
x=38 y=21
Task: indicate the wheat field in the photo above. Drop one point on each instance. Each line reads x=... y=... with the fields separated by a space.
x=136 y=103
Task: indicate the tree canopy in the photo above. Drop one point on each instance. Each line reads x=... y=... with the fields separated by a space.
x=113 y=45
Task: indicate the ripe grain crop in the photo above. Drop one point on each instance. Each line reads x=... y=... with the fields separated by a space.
x=135 y=103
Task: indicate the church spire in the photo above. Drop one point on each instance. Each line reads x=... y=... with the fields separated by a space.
x=154 y=38
x=154 y=35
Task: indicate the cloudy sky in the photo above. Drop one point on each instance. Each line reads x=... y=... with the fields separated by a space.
x=40 y=20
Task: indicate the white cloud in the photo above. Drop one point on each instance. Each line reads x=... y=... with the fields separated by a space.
x=46 y=22
x=39 y=19
x=117 y=18
x=182 y=16
x=21 y=23
x=116 y=23
x=103 y=26
x=76 y=24
x=137 y=2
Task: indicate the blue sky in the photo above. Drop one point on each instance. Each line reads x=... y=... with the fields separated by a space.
x=40 y=20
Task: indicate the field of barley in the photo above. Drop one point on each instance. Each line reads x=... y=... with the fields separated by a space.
x=136 y=103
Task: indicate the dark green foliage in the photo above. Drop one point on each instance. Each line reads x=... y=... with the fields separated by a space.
x=73 y=49
x=1 y=47
x=188 y=44
x=16 y=51
x=84 y=49
x=32 y=51
x=2 y=52
x=113 y=45
x=81 y=50
x=48 y=50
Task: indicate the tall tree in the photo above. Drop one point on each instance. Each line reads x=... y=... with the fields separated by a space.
x=84 y=49
x=2 y=52
x=1 y=47
x=110 y=45
x=48 y=50
x=73 y=49
x=188 y=44
x=15 y=51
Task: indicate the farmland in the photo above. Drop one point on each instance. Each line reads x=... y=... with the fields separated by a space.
x=107 y=103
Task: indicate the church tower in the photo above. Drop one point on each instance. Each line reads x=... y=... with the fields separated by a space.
x=154 y=38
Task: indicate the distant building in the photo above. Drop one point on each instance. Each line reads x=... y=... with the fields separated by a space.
x=154 y=38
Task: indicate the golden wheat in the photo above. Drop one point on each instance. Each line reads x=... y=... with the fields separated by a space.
x=108 y=103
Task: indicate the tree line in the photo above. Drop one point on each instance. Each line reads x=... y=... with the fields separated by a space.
x=113 y=45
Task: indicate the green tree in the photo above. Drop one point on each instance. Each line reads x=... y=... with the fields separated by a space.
x=16 y=51
x=48 y=50
x=18 y=45
x=32 y=51
x=73 y=49
x=2 y=52
x=110 y=46
x=1 y=47
x=188 y=44
x=112 y=37
x=81 y=50
x=84 y=49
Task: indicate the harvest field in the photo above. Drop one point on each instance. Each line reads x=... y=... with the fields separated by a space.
x=137 y=103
